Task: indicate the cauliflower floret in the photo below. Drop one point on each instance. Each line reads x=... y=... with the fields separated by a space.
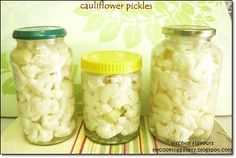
x=107 y=91
x=183 y=83
x=45 y=92
x=21 y=56
x=110 y=103
x=162 y=100
x=64 y=129
x=130 y=126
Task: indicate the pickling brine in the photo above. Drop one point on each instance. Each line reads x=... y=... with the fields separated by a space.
x=185 y=73
x=42 y=65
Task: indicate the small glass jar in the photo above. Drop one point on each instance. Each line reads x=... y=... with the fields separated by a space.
x=42 y=65
x=111 y=83
x=185 y=73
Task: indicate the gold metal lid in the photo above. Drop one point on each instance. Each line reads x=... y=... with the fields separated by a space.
x=189 y=30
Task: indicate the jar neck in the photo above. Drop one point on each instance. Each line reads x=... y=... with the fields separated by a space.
x=188 y=39
x=52 y=41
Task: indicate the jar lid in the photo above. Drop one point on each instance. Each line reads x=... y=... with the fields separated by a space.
x=39 y=32
x=189 y=30
x=111 y=62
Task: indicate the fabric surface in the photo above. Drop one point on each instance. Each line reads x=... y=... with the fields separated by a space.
x=14 y=142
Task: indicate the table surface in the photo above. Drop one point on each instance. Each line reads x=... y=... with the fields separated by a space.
x=13 y=140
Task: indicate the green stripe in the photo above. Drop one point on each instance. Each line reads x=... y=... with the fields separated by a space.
x=149 y=137
x=136 y=146
x=116 y=149
x=144 y=136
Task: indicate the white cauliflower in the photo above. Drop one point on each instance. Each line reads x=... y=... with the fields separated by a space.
x=111 y=103
x=184 y=78
x=45 y=92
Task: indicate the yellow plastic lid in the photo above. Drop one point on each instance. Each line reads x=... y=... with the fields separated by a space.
x=111 y=62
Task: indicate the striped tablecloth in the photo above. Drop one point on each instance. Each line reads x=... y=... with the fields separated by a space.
x=13 y=142
x=143 y=144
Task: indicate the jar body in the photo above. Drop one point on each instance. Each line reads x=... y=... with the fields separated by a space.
x=111 y=106
x=185 y=74
x=44 y=85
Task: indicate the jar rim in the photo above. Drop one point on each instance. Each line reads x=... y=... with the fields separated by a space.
x=189 y=31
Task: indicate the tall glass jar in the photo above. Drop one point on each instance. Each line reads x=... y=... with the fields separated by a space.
x=185 y=73
x=111 y=82
x=42 y=65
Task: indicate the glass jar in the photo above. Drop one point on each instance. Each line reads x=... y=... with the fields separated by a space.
x=42 y=65
x=111 y=83
x=185 y=73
